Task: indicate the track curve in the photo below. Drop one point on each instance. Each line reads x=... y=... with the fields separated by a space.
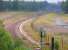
x=25 y=33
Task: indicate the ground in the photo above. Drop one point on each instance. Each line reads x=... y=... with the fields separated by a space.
x=47 y=20
x=12 y=21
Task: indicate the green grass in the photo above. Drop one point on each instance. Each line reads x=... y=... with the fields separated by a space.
x=7 y=42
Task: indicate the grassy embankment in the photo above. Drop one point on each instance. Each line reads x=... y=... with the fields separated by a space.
x=48 y=20
x=7 y=42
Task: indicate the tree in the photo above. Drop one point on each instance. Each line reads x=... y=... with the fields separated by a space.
x=1 y=5
x=15 y=5
x=65 y=6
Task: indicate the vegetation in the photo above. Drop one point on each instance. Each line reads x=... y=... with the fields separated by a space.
x=29 y=6
x=5 y=39
x=25 y=6
x=42 y=20
x=65 y=6
x=8 y=43
x=56 y=45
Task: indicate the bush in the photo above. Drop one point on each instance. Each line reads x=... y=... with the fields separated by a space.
x=7 y=42
x=56 y=45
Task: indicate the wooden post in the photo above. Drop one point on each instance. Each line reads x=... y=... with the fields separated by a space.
x=62 y=42
x=42 y=40
x=52 y=46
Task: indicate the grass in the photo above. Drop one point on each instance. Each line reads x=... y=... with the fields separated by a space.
x=48 y=20
x=13 y=17
x=44 y=19
x=31 y=32
x=10 y=43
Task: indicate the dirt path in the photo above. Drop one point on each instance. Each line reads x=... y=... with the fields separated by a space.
x=16 y=29
x=25 y=33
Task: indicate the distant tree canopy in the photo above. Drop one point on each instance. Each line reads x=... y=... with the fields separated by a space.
x=26 y=6
x=65 y=6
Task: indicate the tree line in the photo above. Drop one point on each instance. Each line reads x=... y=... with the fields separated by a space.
x=64 y=6
x=30 y=6
x=25 y=6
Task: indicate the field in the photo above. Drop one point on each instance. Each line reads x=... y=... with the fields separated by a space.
x=12 y=20
x=47 y=20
